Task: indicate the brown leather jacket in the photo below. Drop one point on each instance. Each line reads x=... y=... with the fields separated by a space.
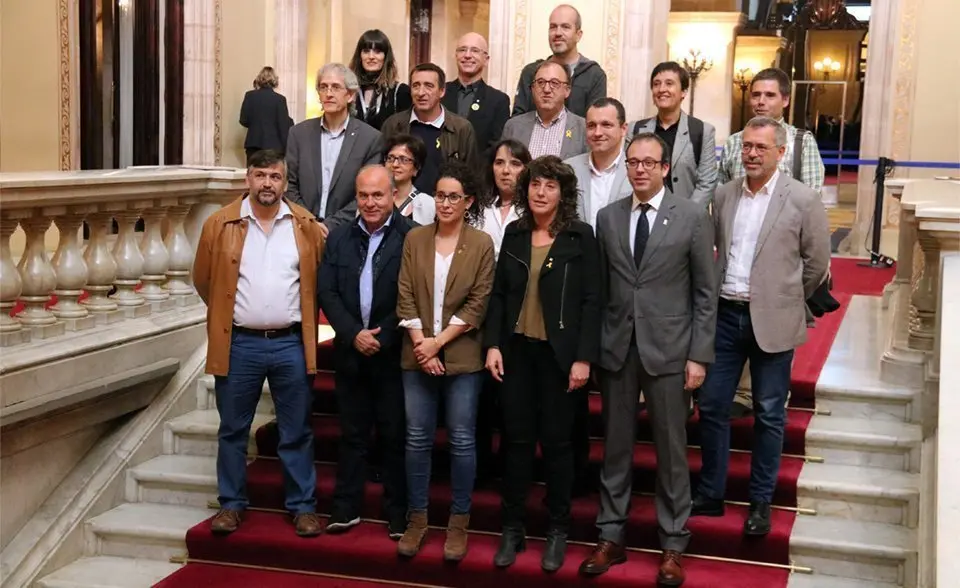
x=217 y=268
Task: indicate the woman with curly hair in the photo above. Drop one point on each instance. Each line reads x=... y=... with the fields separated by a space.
x=381 y=92
x=542 y=333
x=445 y=279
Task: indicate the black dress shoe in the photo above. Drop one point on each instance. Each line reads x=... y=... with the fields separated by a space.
x=512 y=541
x=758 y=524
x=553 y=555
x=702 y=506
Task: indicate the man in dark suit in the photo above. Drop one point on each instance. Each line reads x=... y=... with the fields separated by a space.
x=657 y=333
x=324 y=154
x=265 y=115
x=485 y=107
x=357 y=287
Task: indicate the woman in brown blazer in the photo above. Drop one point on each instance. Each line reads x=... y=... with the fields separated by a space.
x=445 y=281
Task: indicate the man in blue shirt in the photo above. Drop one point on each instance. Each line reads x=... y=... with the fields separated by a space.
x=357 y=287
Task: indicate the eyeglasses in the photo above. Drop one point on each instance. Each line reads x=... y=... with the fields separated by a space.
x=330 y=88
x=470 y=50
x=401 y=159
x=454 y=198
x=541 y=84
x=648 y=164
x=760 y=148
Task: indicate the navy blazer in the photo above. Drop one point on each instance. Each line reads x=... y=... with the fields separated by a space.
x=338 y=288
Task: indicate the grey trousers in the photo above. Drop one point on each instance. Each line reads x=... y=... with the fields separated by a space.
x=667 y=404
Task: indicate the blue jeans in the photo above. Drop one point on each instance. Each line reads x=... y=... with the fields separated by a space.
x=281 y=362
x=770 y=375
x=462 y=393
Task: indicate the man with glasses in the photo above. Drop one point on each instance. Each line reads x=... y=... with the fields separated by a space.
x=657 y=329
x=445 y=134
x=357 y=287
x=588 y=81
x=773 y=251
x=551 y=129
x=469 y=96
x=324 y=154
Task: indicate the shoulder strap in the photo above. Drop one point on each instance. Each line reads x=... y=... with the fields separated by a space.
x=798 y=154
x=695 y=126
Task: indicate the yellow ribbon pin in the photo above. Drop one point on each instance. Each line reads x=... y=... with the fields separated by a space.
x=569 y=134
x=438 y=143
x=550 y=263
x=475 y=107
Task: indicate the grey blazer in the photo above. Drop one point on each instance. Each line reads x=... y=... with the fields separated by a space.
x=689 y=181
x=520 y=128
x=362 y=145
x=791 y=260
x=619 y=189
x=670 y=301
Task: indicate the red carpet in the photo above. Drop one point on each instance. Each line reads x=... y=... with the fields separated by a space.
x=850 y=277
x=227 y=576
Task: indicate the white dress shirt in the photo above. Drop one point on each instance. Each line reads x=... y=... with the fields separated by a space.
x=601 y=184
x=655 y=204
x=745 y=233
x=331 y=142
x=268 y=288
x=494 y=225
x=441 y=270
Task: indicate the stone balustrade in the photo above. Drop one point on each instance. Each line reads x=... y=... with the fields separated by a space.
x=111 y=278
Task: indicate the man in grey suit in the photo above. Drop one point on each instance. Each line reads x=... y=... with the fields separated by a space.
x=657 y=337
x=773 y=250
x=692 y=142
x=550 y=129
x=602 y=172
x=324 y=155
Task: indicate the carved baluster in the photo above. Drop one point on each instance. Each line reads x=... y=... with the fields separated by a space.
x=9 y=278
x=126 y=252
x=36 y=274
x=101 y=266
x=181 y=253
x=924 y=296
x=70 y=267
x=156 y=260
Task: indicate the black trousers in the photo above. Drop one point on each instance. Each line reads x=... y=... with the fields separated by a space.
x=371 y=397
x=488 y=420
x=536 y=407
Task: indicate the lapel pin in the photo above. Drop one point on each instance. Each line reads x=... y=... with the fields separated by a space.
x=569 y=134
x=665 y=221
x=550 y=263
x=475 y=106
x=438 y=143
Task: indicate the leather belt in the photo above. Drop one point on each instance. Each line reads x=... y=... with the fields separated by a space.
x=293 y=329
x=733 y=302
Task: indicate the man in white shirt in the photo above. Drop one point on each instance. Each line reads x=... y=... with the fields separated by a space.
x=256 y=270
x=773 y=250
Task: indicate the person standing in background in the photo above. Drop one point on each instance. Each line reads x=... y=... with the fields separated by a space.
x=404 y=156
x=381 y=92
x=508 y=159
x=265 y=115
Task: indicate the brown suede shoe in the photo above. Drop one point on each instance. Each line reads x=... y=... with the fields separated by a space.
x=671 y=569
x=225 y=522
x=308 y=524
x=605 y=554
x=414 y=536
x=455 y=547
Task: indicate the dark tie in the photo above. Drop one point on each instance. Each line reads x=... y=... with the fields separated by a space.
x=643 y=233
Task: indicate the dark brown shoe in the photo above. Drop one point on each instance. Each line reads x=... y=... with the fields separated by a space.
x=225 y=522
x=605 y=554
x=308 y=524
x=671 y=569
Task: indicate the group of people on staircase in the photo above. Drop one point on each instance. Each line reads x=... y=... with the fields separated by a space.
x=589 y=253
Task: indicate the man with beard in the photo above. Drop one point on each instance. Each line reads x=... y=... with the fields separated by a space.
x=588 y=81
x=773 y=250
x=256 y=270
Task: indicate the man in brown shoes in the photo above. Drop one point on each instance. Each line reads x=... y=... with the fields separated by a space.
x=256 y=270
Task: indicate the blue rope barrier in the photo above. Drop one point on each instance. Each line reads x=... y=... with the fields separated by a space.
x=917 y=164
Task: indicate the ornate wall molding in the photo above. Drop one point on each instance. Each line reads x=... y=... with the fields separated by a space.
x=612 y=47
x=520 y=26
x=217 y=82
x=905 y=81
x=69 y=84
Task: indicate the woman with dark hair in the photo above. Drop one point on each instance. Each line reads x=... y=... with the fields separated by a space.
x=265 y=115
x=542 y=333
x=381 y=92
x=404 y=155
x=445 y=281
x=507 y=159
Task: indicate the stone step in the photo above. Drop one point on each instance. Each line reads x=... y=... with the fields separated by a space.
x=893 y=445
x=860 y=493
x=109 y=572
x=822 y=581
x=858 y=550
x=142 y=531
x=185 y=480
x=873 y=401
x=195 y=433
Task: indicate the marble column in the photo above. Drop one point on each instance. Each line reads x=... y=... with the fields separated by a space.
x=10 y=284
x=36 y=274
x=126 y=252
x=70 y=267
x=101 y=267
x=644 y=46
x=199 y=34
x=156 y=258
x=503 y=16
x=290 y=47
x=925 y=295
x=180 y=252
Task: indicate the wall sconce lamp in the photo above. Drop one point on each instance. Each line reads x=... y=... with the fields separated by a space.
x=742 y=79
x=696 y=65
x=826 y=67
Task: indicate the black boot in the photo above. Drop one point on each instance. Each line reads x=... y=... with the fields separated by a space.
x=512 y=541
x=552 y=559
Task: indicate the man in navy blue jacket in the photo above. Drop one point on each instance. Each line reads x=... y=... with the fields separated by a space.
x=357 y=287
